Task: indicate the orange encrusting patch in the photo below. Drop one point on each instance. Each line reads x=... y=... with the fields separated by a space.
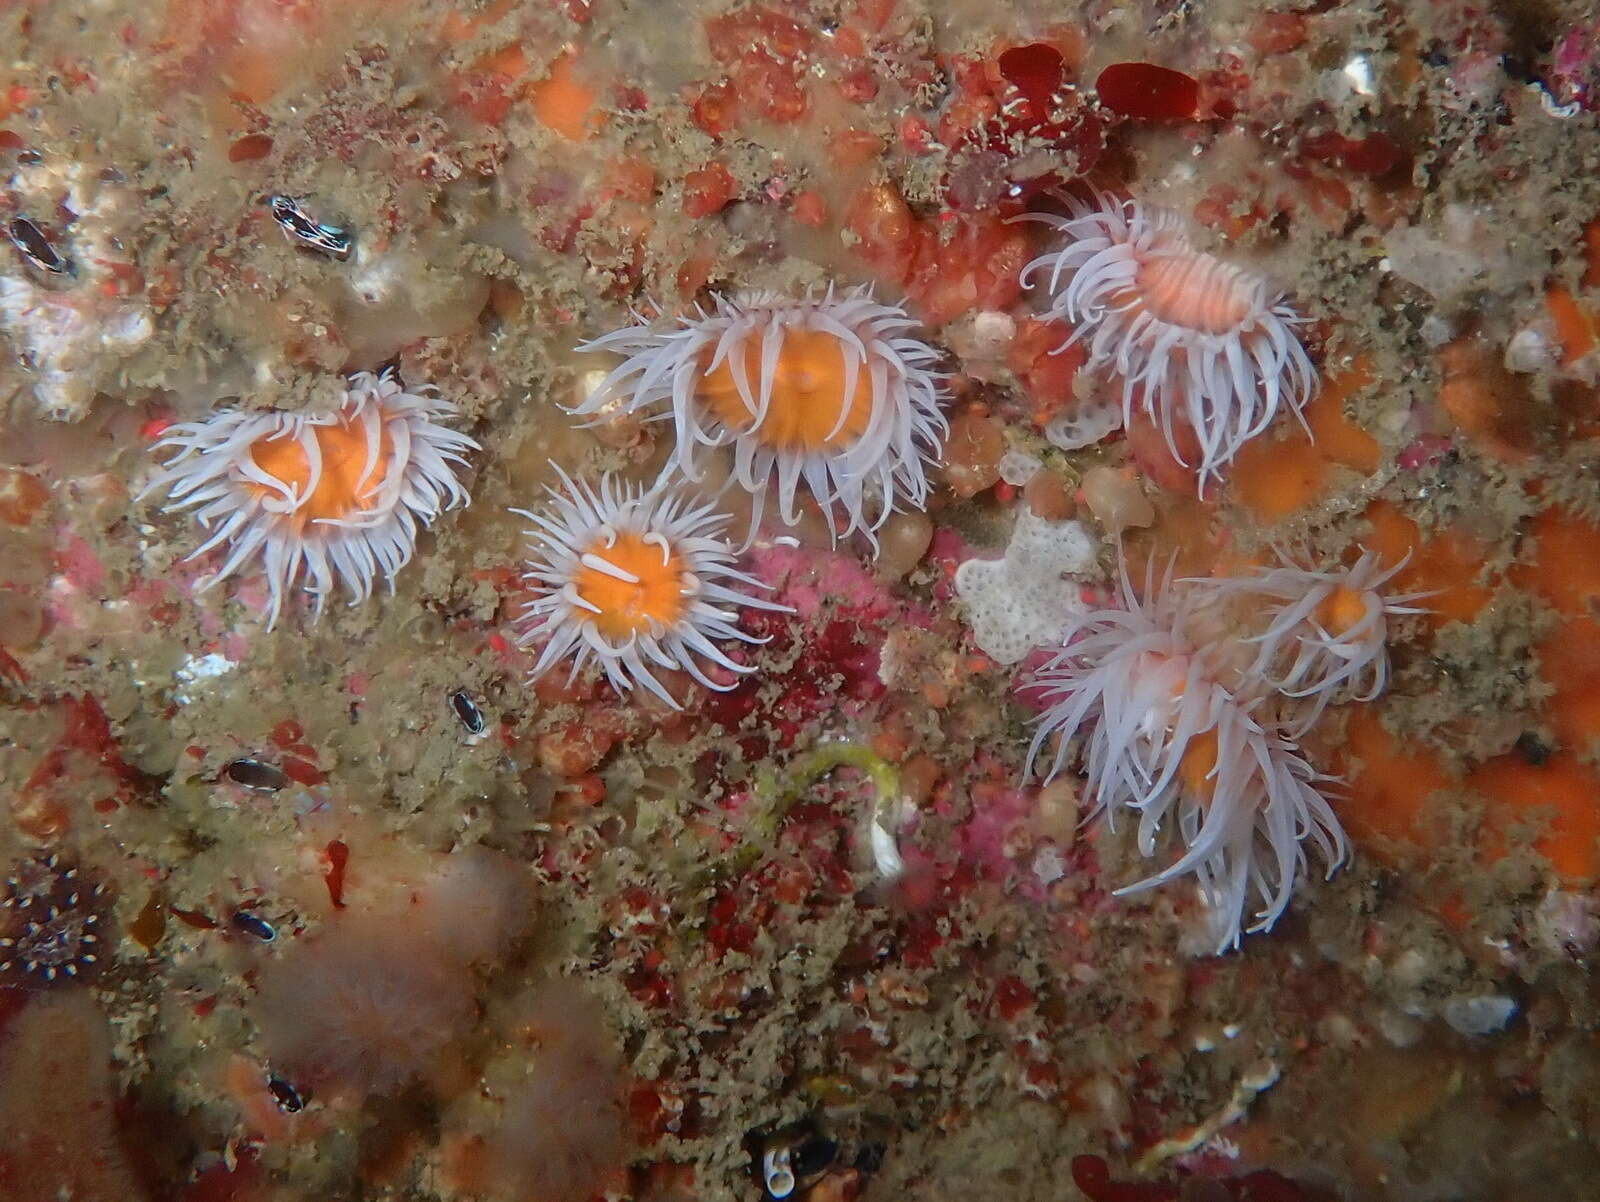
x=489 y=88
x=1183 y=529
x=1488 y=403
x=510 y=62
x=1561 y=792
x=1275 y=477
x=808 y=397
x=631 y=607
x=232 y=56
x=562 y=102
x=21 y=496
x=1569 y=660
x=346 y=485
x=1445 y=563
x=1389 y=786
x=1575 y=325
x=1189 y=289
x=1566 y=562
x=457 y=27
x=1343 y=441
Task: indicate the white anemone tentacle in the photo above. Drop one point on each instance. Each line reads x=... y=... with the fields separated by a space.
x=1134 y=700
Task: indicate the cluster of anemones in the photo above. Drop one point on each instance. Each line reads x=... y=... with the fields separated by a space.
x=828 y=392
x=828 y=395
x=1183 y=703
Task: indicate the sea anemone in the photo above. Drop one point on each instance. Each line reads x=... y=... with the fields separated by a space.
x=50 y=919
x=829 y=391
x=637 y=579
x=1202 y=341
x=1327 y=631
x=1161 y=736
x=340 y=495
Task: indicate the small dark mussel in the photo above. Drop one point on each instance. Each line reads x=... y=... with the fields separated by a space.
x=33 y=246
x=790 y=1159
x=304 y=230
x=255 y=775
x=1532 y=748
x=288 y=1098
x=468 y=712
x=252 y=924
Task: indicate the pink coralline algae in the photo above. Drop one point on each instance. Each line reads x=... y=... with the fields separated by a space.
x=843 y=615
x=1574 y=75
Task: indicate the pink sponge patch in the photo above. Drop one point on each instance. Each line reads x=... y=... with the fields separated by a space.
x=807 y=578
x=1026 y=687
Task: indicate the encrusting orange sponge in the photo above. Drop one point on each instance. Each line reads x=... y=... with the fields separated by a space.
x=1443 y=564
x=562 y=102
x=1275 y=477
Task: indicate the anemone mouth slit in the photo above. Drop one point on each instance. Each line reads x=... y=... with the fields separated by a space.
x=817 y=397
x=631 y=586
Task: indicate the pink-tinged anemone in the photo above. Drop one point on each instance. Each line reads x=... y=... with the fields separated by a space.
x=636 y=580
x=1203 y=342
x=1327 y=635
x=827 y=392
x=1135 y=698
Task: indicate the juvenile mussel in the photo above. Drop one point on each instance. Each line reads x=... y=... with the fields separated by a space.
x=36 y=248
x=256 y=775
x=307 y=232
